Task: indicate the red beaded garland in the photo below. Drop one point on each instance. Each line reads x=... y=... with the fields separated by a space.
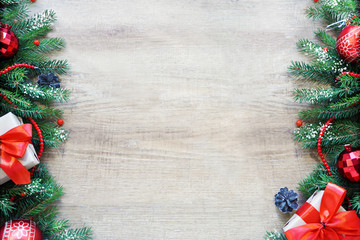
x=37 y=42
x=325 y=49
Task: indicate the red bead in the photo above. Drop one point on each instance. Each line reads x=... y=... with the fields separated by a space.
x=37 y=42
x=23 y=194
x=33 y=0
x=325 y=49
x=299 y=123
x=60 y=122
x=316 y=0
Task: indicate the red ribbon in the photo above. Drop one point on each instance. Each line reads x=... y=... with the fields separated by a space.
x=327 y=224
x=13 y=146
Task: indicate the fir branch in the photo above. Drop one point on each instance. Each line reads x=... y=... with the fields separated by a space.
x=47 y=45
x=340 y=109
x=17 y=12
x=17 y=99
x=311 y=73
x=28 y=37
x=7 y=2
x=36 y=112
x=55 y=66
x=79 y=234
x=324 y=37
x=45 y=94
x=274 y=235
x=319 y=95
x=35 y=23
x=355 y=203
x=333 y=10
x=53 y=135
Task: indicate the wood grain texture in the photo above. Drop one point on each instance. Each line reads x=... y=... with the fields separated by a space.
x=181 y=116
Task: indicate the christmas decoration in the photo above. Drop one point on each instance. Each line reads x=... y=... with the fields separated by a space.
x=36 y=106
x=322 y=217
x=299 y=123
x=17 y=152
x=347 y=43
x=331 y=122
x=60 y=122
x=348 y=163
x=286 y=200
x=20 y=230
x=49 y=80
x=9 y=44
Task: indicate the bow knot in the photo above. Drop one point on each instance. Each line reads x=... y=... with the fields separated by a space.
x=13 y=146
x=328 y=223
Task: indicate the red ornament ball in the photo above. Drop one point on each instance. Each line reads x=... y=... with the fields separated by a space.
x=348 y=163
x=60 y=122
x=299 y=123
x=37 y=42
x=347 y=43
x=20 y=230
x=9 y=44
x=325 y=49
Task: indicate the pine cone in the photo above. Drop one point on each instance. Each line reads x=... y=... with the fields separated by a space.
x=286 y=200
x=49 y=80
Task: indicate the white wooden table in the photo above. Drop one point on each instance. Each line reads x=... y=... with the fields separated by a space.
x=181 y=116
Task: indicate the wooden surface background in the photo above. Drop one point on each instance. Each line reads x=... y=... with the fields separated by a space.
x=181 y=115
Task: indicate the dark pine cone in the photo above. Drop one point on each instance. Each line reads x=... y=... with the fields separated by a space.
x=49 y=80
x=286 y=200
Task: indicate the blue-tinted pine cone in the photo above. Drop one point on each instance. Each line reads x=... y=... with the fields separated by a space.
x=286 y=200
x=49 y=80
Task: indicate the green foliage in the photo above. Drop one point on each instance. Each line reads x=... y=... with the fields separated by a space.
x=338 y=99
x=331 y=98
x=333 y=10
x=275 y=236
x=36 y=200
